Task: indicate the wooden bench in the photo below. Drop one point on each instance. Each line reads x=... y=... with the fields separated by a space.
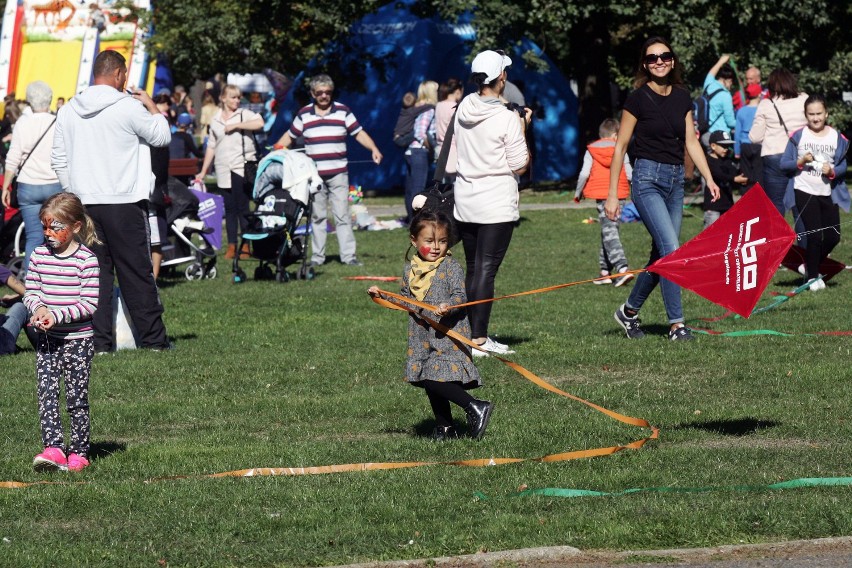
x=181 y=167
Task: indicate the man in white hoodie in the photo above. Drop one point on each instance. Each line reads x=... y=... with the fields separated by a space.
x=101 y=152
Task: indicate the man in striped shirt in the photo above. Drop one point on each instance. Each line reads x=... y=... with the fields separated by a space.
x=324 y=126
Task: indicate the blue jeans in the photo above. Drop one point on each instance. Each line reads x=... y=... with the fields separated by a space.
x=775 y=185
x=416 y=176
x=658 y=195
x=10 y=326
x=30 y=198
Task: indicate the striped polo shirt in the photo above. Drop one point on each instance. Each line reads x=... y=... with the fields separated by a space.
x=325 y=136
x=67 y=286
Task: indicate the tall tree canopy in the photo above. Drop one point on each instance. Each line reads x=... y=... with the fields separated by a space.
x=595 y=42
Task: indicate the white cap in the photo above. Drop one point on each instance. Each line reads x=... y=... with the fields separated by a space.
x=491 y=63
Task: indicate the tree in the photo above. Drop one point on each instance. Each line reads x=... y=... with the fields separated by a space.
x=595 y=42
x=202 y=37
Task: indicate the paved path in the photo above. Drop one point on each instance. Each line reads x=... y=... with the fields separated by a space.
x=822 y=553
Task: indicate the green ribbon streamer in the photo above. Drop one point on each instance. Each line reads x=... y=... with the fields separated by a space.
x=751 y=332
x=791 y=484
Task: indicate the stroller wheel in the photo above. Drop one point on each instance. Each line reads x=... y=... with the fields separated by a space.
x=211 y=273
x=194 y=271
x=15 y=265
x=305 y=273
x=283 y=277
x=239 y=276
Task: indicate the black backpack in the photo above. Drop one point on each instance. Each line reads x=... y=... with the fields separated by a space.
x=701 y=110
x=403 y=132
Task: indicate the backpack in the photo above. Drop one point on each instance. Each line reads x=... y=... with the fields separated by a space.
x=701 y=110
x=403 y=132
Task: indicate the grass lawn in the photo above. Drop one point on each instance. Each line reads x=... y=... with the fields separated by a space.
x=309 y=373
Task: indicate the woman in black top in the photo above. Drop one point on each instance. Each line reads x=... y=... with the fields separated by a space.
x=659 y=114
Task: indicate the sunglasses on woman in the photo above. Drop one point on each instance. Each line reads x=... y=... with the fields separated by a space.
x=666 y=56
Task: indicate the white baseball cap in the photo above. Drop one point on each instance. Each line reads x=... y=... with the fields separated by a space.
x=491 y=63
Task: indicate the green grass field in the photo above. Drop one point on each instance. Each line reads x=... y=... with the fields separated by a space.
x=309 y=373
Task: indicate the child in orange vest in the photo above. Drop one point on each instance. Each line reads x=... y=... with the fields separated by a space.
x=593 y=183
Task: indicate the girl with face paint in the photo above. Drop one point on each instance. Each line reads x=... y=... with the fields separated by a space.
x=62 y=296
x=436 y=362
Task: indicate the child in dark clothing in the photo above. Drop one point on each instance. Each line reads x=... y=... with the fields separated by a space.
x=724 y=173
x=403 y=132
x=437 y=362
x=183 y=144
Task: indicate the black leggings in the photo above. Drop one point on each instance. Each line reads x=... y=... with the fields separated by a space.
x=441 y=394
x=485 y=247
x=818 y=212
x=237 y=208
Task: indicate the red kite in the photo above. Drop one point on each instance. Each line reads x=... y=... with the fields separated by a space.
x=733 y=260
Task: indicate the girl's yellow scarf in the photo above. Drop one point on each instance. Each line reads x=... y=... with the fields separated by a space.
x=420 y=277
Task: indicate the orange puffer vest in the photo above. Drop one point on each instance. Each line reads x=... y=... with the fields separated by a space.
x=598 y=185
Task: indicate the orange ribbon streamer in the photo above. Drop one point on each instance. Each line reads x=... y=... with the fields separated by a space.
x=386 y=299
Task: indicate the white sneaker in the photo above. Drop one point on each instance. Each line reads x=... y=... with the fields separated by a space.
x=492 y=346
x=801 y=269
x=817 y=284
x=604 y=279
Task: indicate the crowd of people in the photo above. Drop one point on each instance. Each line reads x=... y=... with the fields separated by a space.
x=92 y=217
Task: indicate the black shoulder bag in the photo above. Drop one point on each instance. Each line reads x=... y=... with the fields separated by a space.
x=439 y=197
x=13 y=188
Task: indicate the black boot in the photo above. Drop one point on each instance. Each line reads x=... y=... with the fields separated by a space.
x=442 y=433
x=478 y=413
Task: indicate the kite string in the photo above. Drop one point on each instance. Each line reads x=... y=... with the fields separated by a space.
x=835 y=227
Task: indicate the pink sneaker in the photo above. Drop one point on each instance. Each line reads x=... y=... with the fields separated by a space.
x=51 y=459
x=76 y=462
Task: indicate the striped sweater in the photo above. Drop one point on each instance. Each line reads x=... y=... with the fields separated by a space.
x=67 y=286
x=325 y=136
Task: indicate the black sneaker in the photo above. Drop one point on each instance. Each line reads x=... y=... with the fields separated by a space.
x=681 y=334
x=630 y=324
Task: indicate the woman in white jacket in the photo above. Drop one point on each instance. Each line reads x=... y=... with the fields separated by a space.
x=492 y=153
x=32 y=139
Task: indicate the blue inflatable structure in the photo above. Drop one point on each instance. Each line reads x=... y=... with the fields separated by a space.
x=391 y=51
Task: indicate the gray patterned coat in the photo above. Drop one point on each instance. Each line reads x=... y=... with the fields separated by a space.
x=432 y=356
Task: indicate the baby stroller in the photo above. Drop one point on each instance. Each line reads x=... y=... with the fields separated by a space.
x=12 y=240
x=188 y=235
x=283 y=193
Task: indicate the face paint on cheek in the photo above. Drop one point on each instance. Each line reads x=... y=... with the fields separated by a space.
x=56 y=233
x=424 y=250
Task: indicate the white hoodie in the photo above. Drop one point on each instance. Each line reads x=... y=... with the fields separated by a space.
x=491 y=146
x=101 y=146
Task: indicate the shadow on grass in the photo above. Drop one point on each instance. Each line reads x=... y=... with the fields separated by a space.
x=183 y=336
x=424 y=428
x=736 y=427
x=100 y=450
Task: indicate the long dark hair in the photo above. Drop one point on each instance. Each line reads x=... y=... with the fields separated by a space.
x=675 y=76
